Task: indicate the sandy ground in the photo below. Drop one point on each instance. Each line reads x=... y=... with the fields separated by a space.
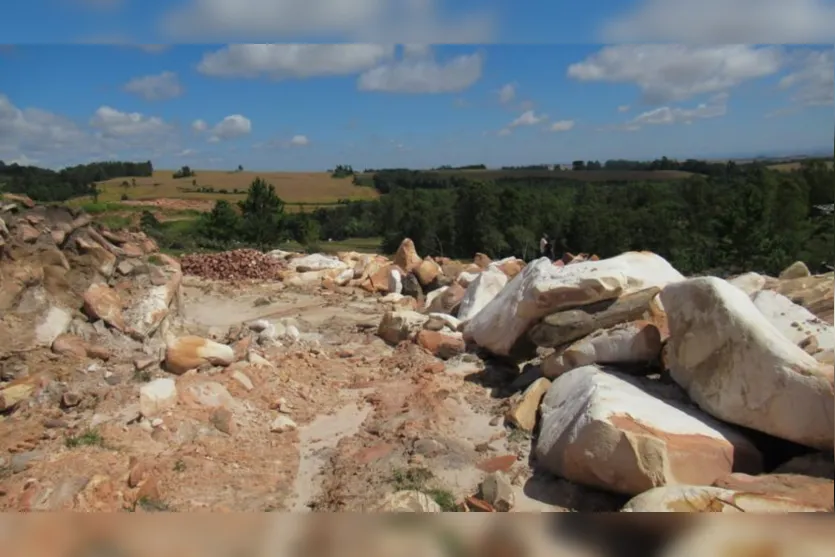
x=372 y=419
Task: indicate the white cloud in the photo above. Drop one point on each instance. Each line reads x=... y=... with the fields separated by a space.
x=507 y=93
x=380 y=21
x=157 y=87
x=624 y=108
x=423 y=74
x=667 y=73
x=813 y=81
x=231 y=127
x=280 y=61
x=115 y=124
x=562 y=126
x=199 y=126
x=54 y=140
x=187 y=153
x=300 y=140
x=528 y=118
x=724 y=22
x=503 y=132
x=665 y=115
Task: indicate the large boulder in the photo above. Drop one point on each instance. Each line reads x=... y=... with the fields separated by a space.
x=796 y=323
x=316 y=262
x=542 y=288
x=407 y=257
x=397 y=326
x=481 y=292
x=603 y=429
x=704 y=499
x=638 y=342
x=739 y=367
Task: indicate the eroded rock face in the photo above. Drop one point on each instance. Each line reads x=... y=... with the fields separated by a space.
x=397 y=326
x=602 y=429
x=150 y=298
x=740 y=368
x=541 y=289
x=796 y=323
x=638 y=342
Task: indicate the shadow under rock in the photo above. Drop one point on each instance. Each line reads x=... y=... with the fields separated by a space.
x=497 y=375
x=551 y=490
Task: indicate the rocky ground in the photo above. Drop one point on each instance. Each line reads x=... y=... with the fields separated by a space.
x=131 y=382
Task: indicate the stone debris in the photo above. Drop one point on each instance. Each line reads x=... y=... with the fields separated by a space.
x=622 y=377
x=238 y=264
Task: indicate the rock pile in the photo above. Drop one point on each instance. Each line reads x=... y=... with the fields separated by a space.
x=652 y=384
x=241 y=264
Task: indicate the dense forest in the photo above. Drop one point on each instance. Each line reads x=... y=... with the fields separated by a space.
x=42 y=184
x=719 y=218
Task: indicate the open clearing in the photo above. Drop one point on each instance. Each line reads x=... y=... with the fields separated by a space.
x=788 y=166
x=311 y=188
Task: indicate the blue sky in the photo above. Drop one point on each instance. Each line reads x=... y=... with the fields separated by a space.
x=354 y=99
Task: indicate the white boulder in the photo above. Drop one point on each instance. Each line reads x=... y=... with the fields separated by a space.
x=481 y=292
x=739 y=367
x=603 y=429
x=543 y=288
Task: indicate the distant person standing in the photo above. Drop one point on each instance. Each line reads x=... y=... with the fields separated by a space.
x=544 y=246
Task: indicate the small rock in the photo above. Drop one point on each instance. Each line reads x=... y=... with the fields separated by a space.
x=143 y=363
x=70 y=400
x=496 y=490
x=157 y=396
x=523 y=414
x=281 y=424
x=428 y=447
x=243 y=380
x=224 y=421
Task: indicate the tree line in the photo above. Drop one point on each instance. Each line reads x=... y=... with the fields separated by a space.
x=748 y=218
x=43 y=184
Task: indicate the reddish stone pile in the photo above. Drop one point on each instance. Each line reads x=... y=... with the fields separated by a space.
x=232 y=265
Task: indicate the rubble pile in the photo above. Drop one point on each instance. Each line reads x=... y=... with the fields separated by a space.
x=647 y=383
x=240 y=264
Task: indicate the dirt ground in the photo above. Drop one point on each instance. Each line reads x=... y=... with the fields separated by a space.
x=371 y=419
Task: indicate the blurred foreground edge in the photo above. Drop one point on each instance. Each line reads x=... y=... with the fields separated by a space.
x=396 y=535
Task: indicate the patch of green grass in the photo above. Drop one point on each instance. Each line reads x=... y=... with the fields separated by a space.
x=87 y=438
x=411 y=478
x=152 y=505
x=419 y=479
x=444 y=498
x=114 y=222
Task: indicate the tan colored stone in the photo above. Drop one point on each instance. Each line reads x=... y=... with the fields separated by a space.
x=190 y=352
x=406 y=257
x=444 y=346
x=524 y=412
x=102 y=302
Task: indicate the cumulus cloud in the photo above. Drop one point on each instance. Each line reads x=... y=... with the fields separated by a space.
x=423 y=74
x=507 y=93
x=231 y=127
x=199 y=126
x=669 y=73
x=281 y=61
x=528 y=118
x=299 y=140
x=381 y=21
x=163 y=86
x=113 y=123
x=724 y=22
x=715 y=107
x=562 y=125
x=52 y=139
